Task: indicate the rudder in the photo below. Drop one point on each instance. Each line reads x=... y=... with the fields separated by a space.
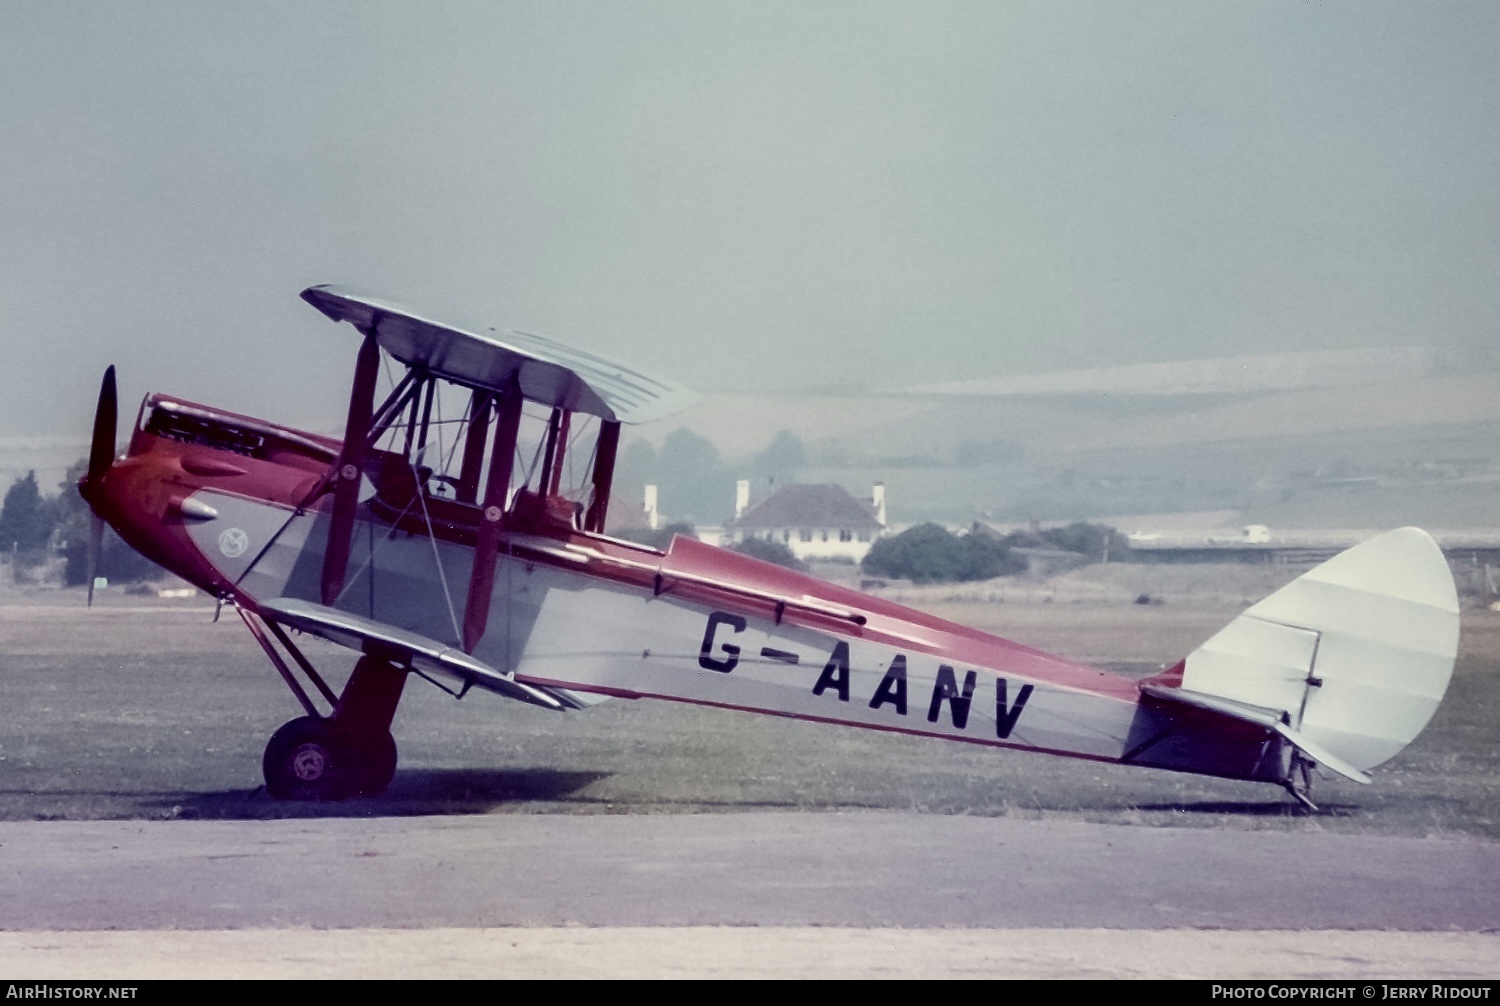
x=1353 y=655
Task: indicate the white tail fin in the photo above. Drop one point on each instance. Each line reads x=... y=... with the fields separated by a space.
x=1355 y=654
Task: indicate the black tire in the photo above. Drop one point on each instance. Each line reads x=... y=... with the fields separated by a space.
x=304 y=760
x=371 y=763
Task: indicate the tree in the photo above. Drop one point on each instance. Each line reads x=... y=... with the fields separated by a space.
x=986 y=558
x=636 y=469
x=694 y=483
x=782 y=457
x=928 y=553
x=26 y=521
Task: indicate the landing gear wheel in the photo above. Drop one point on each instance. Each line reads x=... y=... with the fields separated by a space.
x=371 y=762
x=305 y=760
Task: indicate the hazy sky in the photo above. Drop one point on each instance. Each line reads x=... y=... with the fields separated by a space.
x=748 y=195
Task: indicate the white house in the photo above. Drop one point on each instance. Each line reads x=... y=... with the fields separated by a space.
x=814 y=521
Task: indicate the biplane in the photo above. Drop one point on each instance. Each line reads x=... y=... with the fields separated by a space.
x=457 y=534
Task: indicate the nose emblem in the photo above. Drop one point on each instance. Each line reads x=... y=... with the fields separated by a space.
x=233 y=542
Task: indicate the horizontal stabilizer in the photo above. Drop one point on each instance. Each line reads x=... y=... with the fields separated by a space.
x=1260 y=716
x=425 y=654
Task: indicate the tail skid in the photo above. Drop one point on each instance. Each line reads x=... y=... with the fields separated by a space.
x=1346 y=664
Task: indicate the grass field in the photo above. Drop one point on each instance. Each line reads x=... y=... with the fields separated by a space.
x=153 y=712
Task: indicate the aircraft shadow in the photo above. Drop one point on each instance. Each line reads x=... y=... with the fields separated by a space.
x=414 y=792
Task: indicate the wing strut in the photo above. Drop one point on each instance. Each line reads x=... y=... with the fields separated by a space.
x=497 y=488
x=351 y=465
x=479 y=428
x=604 y=476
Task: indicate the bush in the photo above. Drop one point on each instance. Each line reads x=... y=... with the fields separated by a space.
x=769 y=551
x=928 y=553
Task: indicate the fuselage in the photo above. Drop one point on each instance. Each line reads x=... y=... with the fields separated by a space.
x=237 y=506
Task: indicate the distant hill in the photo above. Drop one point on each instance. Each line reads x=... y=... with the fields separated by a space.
x=1326 y=368
x=921 y=425
x=1311 y=437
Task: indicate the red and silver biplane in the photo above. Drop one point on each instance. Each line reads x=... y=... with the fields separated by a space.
x=470 y=551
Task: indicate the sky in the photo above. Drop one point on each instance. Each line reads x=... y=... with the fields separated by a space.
x=747 y=196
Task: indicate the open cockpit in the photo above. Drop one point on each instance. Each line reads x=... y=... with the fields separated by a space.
x=438 y=451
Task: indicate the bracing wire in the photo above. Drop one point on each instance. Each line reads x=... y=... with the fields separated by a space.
x=437 y=559
x=390 y=381
x=578 y=434
x=536 y=459
x=457 y=439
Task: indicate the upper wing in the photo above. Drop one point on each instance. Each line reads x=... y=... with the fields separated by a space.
x=548 y=372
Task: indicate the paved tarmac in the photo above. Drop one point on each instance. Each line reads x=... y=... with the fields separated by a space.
x=737 y=895
x=1362 y=960
x=849 y=870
